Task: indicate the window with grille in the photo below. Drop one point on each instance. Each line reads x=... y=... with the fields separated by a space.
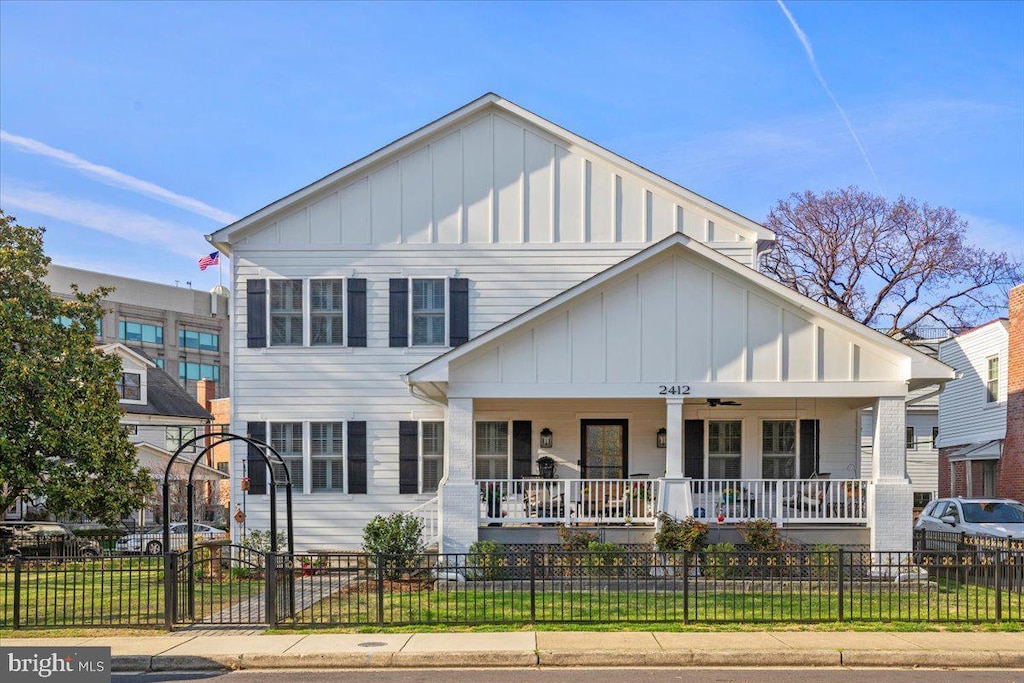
x=492 y=450
x=129 y=387
x=286 y=312
x=992 y=380
x=326 y=323
x=286 y=439
x=428 y=312
x=326 y=442
x=432 y=454
x=725 y=443
x=778 y=449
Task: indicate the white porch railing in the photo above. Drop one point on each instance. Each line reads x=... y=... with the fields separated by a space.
x=428 y=515
x=843 y=501
x=568 y=501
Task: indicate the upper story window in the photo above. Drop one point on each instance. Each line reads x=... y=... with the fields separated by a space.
x=992 y=380
x=725 y=444
x=194 y=339
x=428 y=312
x=778 y=449
x=65 y=321
x=911 y=439
x=935 y=436
x=140 y=332
x=286 y=312
x=129 y=387
x=197 y=371
x=326 y=312
x=175 y=436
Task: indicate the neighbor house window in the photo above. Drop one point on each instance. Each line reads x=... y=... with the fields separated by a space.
x=197 y=371
x=992 y=380
x=129 y=387
x=326 y=324
x=222 y=467
x=935 y=437
x=725 y=442
x=159 y=362
x=921 y=498
x=194 y=339
x=65 y=321
x=432 y=454
x=175 y=436
x=778 y=449
x=428 y=312
x=131 y=430
x=911 y=439
x=492 y=450
x=286 y=439
x=327 y=450
x=140 y=332
x=286 y=312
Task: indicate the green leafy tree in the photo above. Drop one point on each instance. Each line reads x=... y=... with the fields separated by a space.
x=60 y=435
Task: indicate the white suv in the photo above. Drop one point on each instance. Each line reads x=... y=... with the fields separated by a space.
x=992 y=517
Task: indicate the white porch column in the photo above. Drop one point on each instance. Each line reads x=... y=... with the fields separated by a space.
x=459 y=498
x=676 y=496
x=892 y=506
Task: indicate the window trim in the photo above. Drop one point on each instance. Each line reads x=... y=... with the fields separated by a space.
x=796 y=446
x=447 y=315
x=141 y=374
x=307 y=313
x=308 y=456
x=444 y=451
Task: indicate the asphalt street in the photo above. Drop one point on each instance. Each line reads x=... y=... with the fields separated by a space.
x=653 y=675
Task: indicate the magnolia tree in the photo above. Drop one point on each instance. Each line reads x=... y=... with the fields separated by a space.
x=61 y=441
x=894 y=265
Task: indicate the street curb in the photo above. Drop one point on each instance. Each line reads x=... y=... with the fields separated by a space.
x=482 y=658
x=318 y=660
x=195 y=662
x=984 y=659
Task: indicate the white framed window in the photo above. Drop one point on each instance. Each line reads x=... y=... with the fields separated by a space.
x=285 y=317
x=327 y=456
x=286 y=439
x=129 y=387
x=492 y=449
x=428 y=312
x=725 y=449
x=992 y=379
x=911 y=439
x=326 y=312
x=431 y=455
x=175 y=436
x=935 y=437
x=778 y=449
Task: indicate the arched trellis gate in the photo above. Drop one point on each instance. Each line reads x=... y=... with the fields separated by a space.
x=249 y=595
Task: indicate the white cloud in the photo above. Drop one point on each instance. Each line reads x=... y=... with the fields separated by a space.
x=113 y=177
x=995 y=236
x=133 y=226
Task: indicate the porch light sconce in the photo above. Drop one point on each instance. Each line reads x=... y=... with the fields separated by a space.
x=662 y=438
x=547 y=438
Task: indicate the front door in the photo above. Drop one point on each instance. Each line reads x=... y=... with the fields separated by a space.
x=604 y=451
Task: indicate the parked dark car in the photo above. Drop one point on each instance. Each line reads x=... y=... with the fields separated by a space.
x=44 y=539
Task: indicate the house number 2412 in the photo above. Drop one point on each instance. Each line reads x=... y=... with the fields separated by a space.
x=673 y=389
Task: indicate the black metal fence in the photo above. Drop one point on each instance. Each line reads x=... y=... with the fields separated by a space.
x=228 y=584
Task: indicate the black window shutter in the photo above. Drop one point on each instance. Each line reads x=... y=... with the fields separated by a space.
x=522 y=448
x=257 y=466
x=693 y=448
x=356 y=311
x=458 y=303
x=398 y=312
x=408 y=457
x=256 y=313
x=810 y=440
x=357 y=457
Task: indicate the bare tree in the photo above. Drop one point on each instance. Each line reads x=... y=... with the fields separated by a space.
x=894 y=265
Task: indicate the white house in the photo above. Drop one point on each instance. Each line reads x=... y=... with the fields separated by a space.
x=417 y=329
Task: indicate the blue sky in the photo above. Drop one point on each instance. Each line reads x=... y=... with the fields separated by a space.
x=130 y=130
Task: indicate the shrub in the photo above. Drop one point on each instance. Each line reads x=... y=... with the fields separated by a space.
x=574 y=539
x=762 y=535
x=258 y=540
x=488 y=561
x=604 y=559
x=674 y=535
x=720 y=561
x=399 y=538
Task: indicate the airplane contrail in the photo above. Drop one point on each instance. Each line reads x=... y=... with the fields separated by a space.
x=824 y=84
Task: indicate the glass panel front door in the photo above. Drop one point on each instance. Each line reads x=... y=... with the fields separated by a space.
x=604 y=449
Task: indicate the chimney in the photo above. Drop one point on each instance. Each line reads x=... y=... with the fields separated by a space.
x=206 y=391
x=1010 y=477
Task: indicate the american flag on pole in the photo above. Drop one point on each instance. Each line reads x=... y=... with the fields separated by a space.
x=209 y=260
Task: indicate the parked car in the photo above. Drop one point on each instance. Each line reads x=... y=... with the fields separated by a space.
x=44 y=539
x=996 y=518
x=151 y=540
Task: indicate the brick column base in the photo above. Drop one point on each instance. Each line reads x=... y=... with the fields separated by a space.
x=892 y=522
x=459 y=516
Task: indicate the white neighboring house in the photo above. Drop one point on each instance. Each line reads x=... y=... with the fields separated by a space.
x=972 y=411
x=415 y=330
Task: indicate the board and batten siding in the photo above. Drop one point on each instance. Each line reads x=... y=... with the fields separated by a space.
x=964 y=415
x=494 y=179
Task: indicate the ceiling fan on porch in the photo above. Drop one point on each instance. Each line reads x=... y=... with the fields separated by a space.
x=715 y=402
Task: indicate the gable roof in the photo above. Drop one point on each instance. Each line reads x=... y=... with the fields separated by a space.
x=164 y=396
x=222 y=238
x=922 y=366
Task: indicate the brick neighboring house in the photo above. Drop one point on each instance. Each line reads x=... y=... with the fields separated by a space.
x=981 y=412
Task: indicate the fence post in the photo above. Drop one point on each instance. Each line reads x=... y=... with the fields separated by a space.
x=17 y=591
x=270 y=588
x=170 y=583
x=380 y=589
x=998 y=568
x=533 y=586
x=686 y=581
x=839 y=562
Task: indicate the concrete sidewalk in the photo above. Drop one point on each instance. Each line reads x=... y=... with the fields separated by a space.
x=555 y=649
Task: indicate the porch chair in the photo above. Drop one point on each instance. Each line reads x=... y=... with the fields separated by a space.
x=811 y=494
x=543 y=501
